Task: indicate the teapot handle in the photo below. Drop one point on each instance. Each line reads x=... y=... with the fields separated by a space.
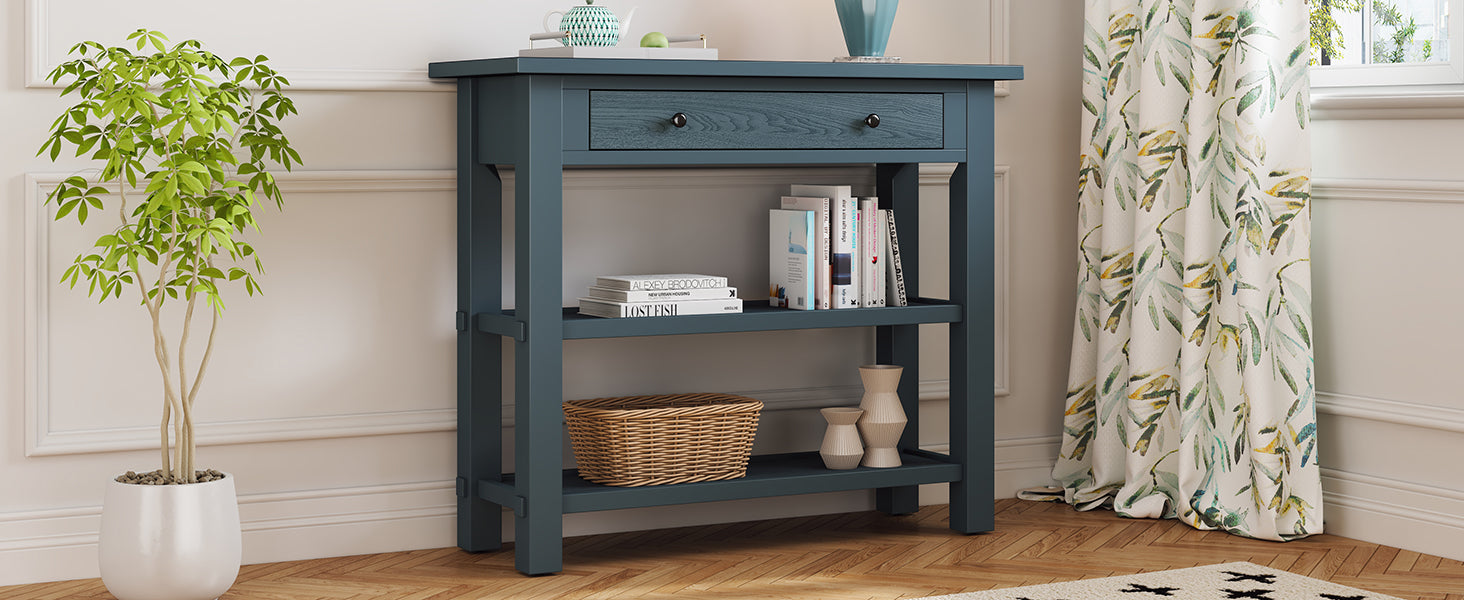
x=556 y=21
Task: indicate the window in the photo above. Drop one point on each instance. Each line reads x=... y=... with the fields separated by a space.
x=1387 y=42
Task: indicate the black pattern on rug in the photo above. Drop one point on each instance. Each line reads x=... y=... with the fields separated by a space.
x=1230 y=581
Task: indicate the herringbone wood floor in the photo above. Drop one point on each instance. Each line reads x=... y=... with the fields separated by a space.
x=862 y=555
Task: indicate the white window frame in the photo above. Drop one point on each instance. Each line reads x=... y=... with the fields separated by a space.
x=1436 y=76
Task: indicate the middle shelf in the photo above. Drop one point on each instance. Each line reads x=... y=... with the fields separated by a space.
x=756 y=316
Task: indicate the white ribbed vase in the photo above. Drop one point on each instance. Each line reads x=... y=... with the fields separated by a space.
x=170 y=542
x=884 y=418
x=841 y=447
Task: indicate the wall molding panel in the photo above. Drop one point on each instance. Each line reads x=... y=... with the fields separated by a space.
x=42 y=440
x=939 y=176
x=1001 y=46
x=38 y=64
x=1430 y=191
x=1398 y=412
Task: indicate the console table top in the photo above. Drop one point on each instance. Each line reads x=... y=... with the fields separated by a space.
x=488 y=67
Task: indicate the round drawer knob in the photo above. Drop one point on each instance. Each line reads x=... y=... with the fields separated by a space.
x=872 y=120
x=679 y=119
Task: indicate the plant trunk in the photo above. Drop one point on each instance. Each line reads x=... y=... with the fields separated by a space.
x=167 y=416
x=185 y=443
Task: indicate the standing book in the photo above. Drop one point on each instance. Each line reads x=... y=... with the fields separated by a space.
x=790 y=258
x=894 y=271
x=822 y=268
x=843 y=246
x=871 y=270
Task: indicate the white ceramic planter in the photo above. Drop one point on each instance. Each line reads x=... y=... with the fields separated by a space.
x=170 y=542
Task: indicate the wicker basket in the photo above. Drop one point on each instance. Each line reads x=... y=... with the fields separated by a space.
x=655 y=440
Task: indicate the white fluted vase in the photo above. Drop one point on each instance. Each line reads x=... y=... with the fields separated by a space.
x=170 y=542
x=841 y=447
x=884 y=417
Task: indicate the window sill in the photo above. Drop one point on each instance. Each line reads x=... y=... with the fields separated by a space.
x=1388 y=102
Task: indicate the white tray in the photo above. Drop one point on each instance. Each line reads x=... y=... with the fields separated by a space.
x=622 y=52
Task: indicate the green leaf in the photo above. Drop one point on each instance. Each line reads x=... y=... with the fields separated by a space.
x=1300 y=328
x=1249 y=99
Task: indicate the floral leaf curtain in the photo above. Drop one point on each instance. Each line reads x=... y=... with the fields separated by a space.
x=1191 y=387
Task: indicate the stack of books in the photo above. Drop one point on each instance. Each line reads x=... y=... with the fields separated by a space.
x=615 y=296
x=829 y=249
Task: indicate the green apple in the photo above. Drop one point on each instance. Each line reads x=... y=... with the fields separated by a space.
x=654 y=39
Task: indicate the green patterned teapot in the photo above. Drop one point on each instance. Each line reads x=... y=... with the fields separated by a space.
x=588 y=25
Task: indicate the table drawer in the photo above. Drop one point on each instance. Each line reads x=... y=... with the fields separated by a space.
x=645 y=120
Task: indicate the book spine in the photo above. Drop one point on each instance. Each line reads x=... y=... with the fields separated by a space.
x=671 y=309
x=895 y=271
x=823 y=279
x=856 y=276
x=652 y=282
x=882 y=256
x=870 y=294
x=790 y=258
x=662 y=309
x=846 y=294
x=614 y=295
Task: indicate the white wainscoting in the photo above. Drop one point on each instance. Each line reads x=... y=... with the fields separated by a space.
x=1396 y=513
x=43 y=439
x=60 y=544
x=1374 y=506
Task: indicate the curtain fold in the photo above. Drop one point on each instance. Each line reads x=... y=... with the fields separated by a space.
x=1191 y=387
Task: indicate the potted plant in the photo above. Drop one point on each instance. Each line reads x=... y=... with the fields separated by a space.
x=183 y=139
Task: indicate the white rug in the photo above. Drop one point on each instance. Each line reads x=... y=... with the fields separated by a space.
x=1229 y=581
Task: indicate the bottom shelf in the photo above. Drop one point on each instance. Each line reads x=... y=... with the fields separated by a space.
x=767 y=475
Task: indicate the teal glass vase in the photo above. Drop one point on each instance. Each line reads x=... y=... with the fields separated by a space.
x=866 y=25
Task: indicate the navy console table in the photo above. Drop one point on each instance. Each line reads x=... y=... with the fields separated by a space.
x=541 y=115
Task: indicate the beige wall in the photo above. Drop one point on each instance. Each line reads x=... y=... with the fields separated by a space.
x=332 y=396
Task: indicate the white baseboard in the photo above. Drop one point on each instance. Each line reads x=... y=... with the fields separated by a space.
x=56 y=545
x=1405 y=515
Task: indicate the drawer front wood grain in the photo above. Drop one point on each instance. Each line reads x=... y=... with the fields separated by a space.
x=642 y=120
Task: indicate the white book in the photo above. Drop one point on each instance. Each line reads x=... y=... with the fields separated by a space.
x=894 y=271
x=843 y=218
x=614 y=295
x=677 y=281
x=822 y=268
x=790 y=258
x=604 y=308
x=871 y=290
x=882 y=253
